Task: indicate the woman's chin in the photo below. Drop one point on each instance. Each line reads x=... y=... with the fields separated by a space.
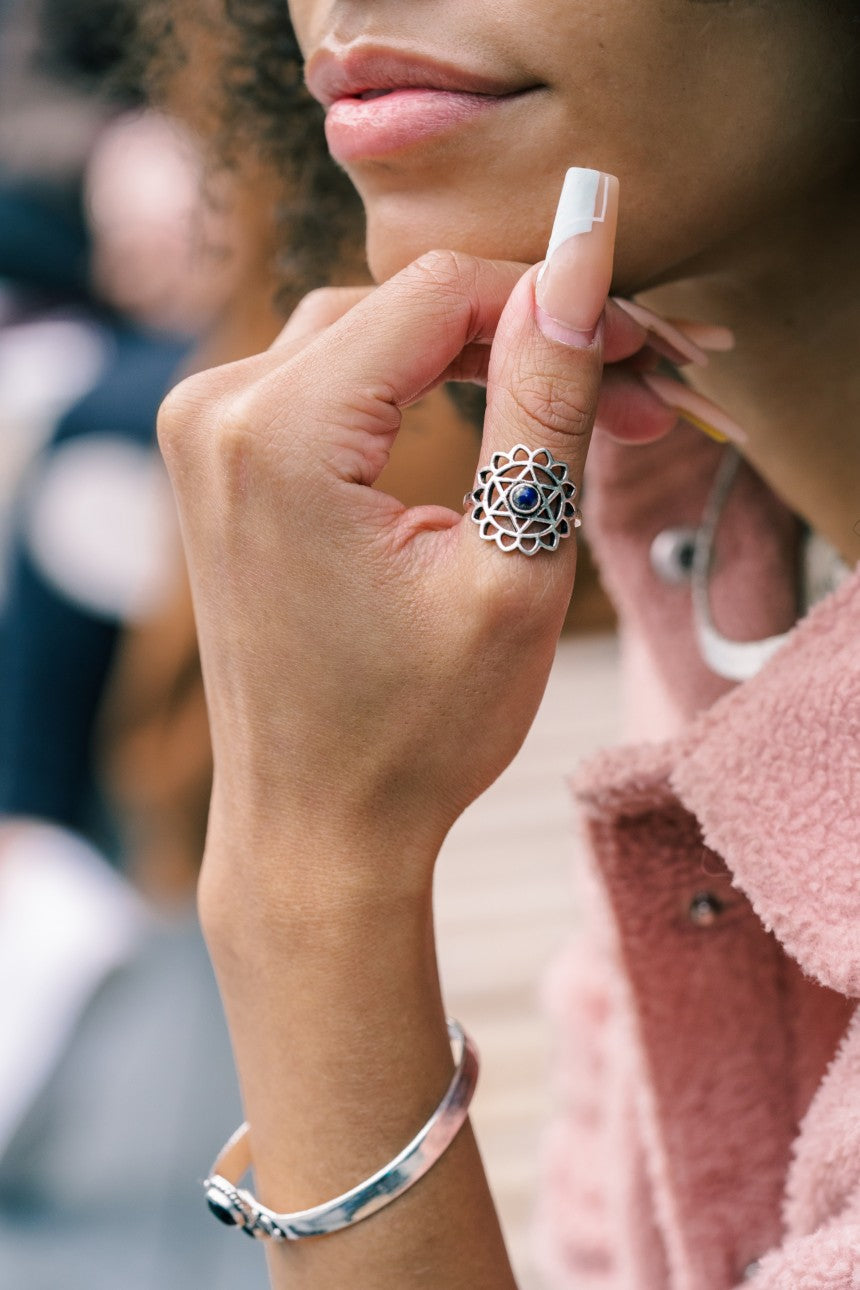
x=384 y=260
x=399 y=231
x=402 y=228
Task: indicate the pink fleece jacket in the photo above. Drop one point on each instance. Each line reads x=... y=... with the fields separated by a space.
x=708 y=1134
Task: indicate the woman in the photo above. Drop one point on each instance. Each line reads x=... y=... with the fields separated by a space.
x=371 y=669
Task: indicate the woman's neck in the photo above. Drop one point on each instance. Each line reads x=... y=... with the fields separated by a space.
x=792 y=296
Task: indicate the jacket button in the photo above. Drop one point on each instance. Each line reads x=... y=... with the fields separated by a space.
x=672 y=554
x=705 y=909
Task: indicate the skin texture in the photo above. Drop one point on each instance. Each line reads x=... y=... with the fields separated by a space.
x=352 y=730
x=704 y=148
x=732 y=128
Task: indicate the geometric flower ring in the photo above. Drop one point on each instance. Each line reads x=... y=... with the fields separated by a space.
x=523 y=501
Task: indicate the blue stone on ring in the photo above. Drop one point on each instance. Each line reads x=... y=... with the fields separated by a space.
x=525 y=499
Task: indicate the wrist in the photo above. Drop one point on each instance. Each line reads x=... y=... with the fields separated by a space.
x=331 y=972
x=278 y=893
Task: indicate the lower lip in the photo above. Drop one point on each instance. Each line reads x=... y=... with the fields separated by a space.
x=361 y=129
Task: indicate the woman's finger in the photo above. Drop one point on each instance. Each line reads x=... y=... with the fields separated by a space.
x=543 y=387
x=695 y=408
x=629 y=411
x=317 y=311
x=663 y=335
x=623 y=337
x=395 y=344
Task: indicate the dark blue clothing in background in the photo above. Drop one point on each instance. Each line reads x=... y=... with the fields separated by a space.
x=54 y=654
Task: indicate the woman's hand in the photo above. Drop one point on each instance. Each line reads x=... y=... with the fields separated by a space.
x=371 y=669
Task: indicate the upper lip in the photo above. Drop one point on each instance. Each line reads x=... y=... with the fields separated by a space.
x=333 y=75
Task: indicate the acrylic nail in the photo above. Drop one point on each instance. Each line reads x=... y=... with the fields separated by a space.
x=710 y=336
x=677 y=347
x=573 y=283
x=694 y=407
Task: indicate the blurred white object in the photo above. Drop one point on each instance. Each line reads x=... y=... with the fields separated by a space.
x=66 y=920
x=45 y=366
x=100 y=525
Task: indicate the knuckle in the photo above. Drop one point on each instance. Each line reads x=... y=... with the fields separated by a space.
x=242 y=442
x=495 y=593
x=207 y=416
x=451 y=279
x=452 y=272
x=514 y=599
x=183 y=407
x=552 y=406
x=237 y=428
x=196 y=402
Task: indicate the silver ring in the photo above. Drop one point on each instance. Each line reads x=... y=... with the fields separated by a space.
x=523 y=501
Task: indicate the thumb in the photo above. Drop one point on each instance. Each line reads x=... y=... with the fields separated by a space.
x=543 y=385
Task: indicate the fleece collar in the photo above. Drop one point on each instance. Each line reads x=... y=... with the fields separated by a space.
x=771 y=771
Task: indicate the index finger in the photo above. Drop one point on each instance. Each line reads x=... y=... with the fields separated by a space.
x=406 y=334
x=315 y=312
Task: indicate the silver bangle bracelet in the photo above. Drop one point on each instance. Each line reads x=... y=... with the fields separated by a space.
x=238 y=1208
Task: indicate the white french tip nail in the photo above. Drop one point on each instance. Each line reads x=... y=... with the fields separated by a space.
x=578 y=208
x=576 y=211
x=573 y=283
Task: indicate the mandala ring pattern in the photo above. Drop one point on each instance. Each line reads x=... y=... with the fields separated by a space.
x=523 y=501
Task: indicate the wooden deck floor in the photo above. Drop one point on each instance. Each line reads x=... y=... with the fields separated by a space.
x=504 y=906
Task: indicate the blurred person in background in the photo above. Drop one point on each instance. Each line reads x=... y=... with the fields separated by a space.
x=107 y=277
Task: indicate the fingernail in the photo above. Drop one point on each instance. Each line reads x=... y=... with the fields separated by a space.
x=572 y=286
x=709 y=335
x=694 y=407
x=678 y=348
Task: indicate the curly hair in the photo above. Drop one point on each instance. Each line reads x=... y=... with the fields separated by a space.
x=251 y=105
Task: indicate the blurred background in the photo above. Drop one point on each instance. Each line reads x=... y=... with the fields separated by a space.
x=146 y=229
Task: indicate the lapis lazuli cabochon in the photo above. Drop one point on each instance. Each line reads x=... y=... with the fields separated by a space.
x=525 y=499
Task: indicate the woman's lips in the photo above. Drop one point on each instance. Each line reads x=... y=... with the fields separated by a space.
x=379 y=100
x=363 y=128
